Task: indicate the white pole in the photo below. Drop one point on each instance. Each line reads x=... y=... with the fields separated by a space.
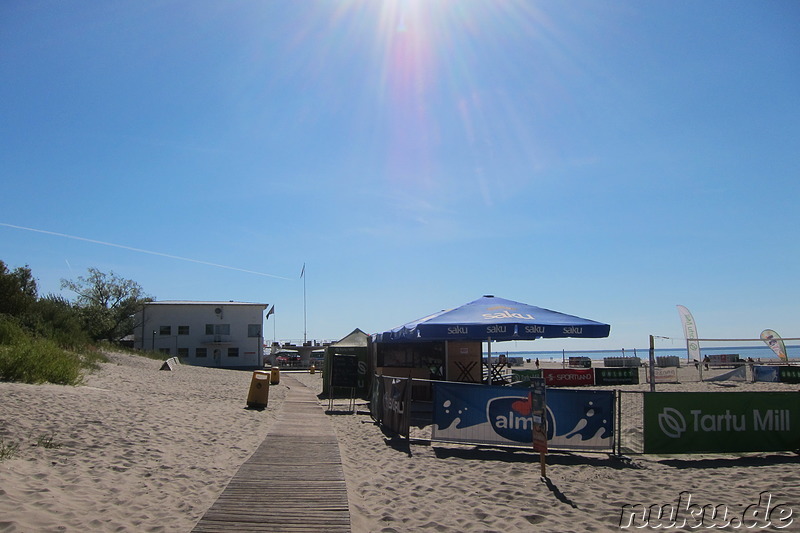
x=305 y=314
x=305 y=319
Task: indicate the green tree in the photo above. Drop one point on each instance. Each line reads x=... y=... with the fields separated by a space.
x=17 y=290
x=107 y=303
x=54 y=317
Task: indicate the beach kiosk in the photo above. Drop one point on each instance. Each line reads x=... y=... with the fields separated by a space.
x=354 y=346
x=447 y=345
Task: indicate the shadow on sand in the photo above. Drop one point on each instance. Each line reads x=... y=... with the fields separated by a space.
x=507 y=455
x=732 y=462
x=558 y=494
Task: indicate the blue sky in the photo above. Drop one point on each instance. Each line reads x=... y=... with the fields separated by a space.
x=604 y=159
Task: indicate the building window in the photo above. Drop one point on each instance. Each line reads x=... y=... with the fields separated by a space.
x=200 y=352
x=164 y=350
x=165 y=330
x=254 y=330
x=218 y=329
x=183 y=330
x=183 y=352
x=233 y=352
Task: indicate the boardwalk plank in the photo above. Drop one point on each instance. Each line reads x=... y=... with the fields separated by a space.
x=293 y=482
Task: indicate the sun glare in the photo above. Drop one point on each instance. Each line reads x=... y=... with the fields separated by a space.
x=438 y=85
x=442 y=68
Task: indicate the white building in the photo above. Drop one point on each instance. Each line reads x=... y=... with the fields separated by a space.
x=217 y=334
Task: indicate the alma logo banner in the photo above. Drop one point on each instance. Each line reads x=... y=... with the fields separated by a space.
x=690 y=332
x=724 y=422
x=775 y=342
x=480 y=414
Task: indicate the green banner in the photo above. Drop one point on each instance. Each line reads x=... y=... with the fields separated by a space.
x=526 y=374
x=522 y=378
x=616 y=376
x=789 y=374
x=697 y=422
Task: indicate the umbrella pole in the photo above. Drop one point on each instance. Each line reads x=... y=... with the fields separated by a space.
x=489 y=360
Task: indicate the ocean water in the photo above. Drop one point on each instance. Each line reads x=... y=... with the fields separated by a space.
x=756 y=352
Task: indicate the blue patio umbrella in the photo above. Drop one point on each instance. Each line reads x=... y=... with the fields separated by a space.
x=495 y=319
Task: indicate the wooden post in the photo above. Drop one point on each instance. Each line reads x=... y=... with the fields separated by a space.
x=652 y=364
x=543 y=463
x=537 y=397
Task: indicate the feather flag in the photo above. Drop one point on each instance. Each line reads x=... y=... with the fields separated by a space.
x=690 y=331
x=775 y=342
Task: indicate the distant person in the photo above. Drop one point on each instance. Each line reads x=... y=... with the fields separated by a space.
x=706 y=360
x=537 y=362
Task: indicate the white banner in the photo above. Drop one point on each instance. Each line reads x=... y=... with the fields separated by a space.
x=690 y=331
x=664 y=375
x=737 y=374
x=775 y=342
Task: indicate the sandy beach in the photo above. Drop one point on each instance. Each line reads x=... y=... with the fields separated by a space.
x=139 y=449
x=134 y=449
x=454 y=488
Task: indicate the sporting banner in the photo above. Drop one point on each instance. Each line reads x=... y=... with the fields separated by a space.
x=616 y=376
x=395 y=411
x=723 y=422
x=568 y=377
x=481 y=414
x=690 y=332
x=775 y=342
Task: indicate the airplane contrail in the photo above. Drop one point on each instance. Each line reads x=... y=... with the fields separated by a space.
x=131 y=248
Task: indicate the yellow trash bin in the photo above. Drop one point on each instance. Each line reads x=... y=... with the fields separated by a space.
x=258 y=396
x=275 y=375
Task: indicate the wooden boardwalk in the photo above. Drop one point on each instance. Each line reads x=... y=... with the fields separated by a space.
x=294 y=481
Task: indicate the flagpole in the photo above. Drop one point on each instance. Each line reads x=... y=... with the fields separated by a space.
x=305 y=315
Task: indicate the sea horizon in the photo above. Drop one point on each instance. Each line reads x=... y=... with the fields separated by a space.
x=755 y=352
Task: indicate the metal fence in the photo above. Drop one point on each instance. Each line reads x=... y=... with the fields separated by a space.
x=629 y=422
